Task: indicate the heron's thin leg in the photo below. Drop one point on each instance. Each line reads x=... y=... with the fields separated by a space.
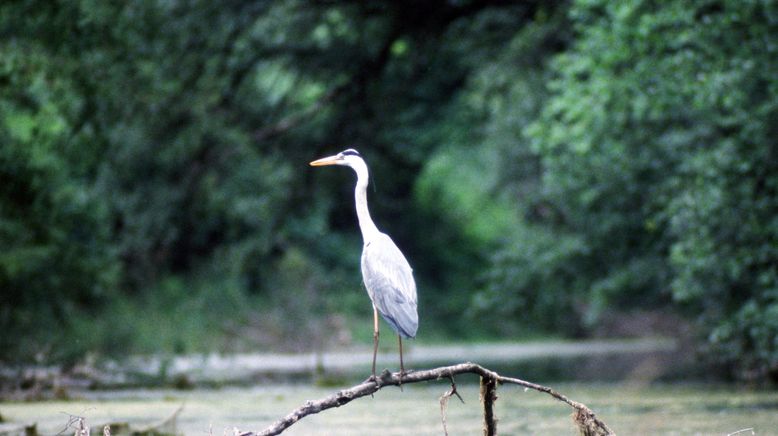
x=375 y=336
x=402 y=367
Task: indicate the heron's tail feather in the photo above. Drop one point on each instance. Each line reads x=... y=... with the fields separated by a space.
x=404 y=320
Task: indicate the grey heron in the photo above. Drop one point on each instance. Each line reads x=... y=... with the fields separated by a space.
x=386 y=273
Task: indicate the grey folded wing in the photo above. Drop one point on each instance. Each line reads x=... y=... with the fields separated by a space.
x=389 y=281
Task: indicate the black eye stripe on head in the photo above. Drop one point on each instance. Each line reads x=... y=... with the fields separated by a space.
x=350 y=152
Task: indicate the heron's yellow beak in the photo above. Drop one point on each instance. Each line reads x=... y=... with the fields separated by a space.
x=330 y=160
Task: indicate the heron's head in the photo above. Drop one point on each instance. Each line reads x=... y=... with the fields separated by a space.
x=349 y=157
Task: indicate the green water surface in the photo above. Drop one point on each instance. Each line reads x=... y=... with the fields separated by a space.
x=678 y=409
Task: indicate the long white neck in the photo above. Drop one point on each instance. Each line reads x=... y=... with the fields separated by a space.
x=369 y=230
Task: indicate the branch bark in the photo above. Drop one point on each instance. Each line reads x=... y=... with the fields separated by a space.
x=488 y=397
x=585 y=419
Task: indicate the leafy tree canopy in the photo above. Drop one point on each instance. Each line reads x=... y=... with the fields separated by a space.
x=547 y=162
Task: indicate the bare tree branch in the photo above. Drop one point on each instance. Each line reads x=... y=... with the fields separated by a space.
x=488 y=397
x=587 y=421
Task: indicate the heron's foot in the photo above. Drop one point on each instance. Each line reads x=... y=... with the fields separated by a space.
x=384 y=378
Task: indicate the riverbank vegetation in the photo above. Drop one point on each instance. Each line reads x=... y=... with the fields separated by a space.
x=561 y=168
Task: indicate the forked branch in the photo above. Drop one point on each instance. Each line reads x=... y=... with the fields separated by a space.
x=585 y=419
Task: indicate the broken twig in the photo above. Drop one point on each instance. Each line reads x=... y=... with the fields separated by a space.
x=444 y=402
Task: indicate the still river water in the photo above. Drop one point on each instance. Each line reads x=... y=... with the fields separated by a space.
x=633 y=396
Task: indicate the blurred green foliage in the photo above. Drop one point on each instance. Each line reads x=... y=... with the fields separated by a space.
x=541 y=164
x=658 y=148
